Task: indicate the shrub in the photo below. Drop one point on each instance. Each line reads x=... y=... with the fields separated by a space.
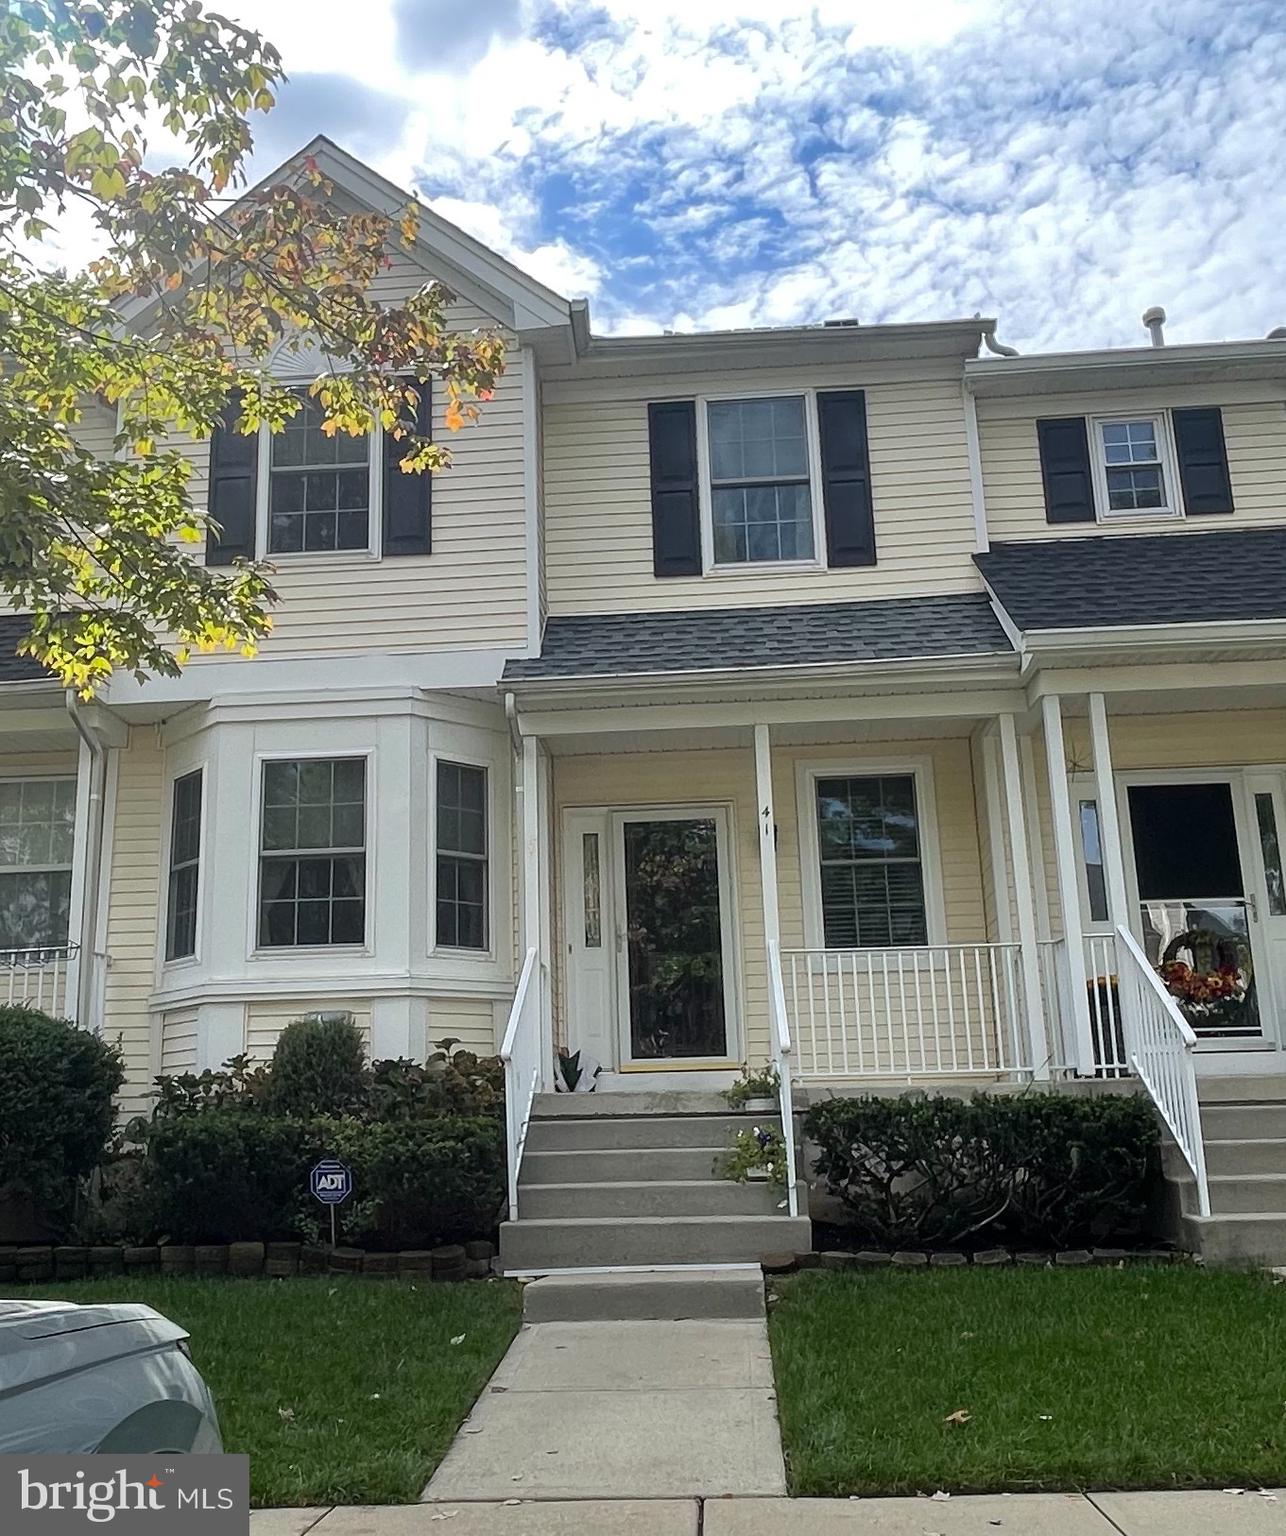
x=420 y=1182
x=57 y=1083
x=227 y=1176
x=460 y=1084
x=1044 y=1169
x=318 y=1068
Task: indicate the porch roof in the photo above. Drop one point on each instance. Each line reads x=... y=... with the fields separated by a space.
x=786 y=635
x=1233 y=575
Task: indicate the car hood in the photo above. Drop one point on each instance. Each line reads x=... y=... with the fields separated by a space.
x=39 y=1339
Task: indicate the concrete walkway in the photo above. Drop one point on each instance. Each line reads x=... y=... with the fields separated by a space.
x=1033 y=1514
x=622 y=1410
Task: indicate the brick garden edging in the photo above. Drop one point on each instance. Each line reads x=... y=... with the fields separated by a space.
x=986 y=1258
x=279 y=1261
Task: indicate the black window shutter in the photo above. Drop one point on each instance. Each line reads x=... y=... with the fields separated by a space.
x=408 y=498
x=234 y=466
x=1065 y=469
x=1203 y=460
x=846 y=478
x=676 y=523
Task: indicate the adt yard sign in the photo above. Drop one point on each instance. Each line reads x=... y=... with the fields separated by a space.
x=331 y=1182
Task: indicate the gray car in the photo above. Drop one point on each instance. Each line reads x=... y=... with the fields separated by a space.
x=115 y=1377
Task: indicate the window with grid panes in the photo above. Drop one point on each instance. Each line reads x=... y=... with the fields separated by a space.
x=312 y=865
x=760 y=500
x=461 y=856
x=37 y=834
x=319 y=487
x=185 y=859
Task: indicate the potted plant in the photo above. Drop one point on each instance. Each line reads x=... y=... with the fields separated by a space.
x=756 y=1092
x=756 y=1156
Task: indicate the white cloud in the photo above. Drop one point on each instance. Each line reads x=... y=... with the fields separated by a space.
x=1061 y=163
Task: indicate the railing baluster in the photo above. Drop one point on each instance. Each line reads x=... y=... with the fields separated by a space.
x=906 y=1035
x=919 y=1014
x=857 y=1011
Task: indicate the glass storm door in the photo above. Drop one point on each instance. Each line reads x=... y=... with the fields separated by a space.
x=674 y=951
x=1197 y=893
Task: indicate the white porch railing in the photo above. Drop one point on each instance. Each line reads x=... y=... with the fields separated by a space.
x=521 y=1056
x=942 y=1010
x=1106 y=1028
x=781 y=1053
x=1160 y=1049
x=37 y=978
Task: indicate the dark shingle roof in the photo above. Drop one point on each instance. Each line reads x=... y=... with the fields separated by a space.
x=1162 y=578
x=795 y=635
x=15 y=668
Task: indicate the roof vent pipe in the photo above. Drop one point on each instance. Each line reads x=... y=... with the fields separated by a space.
x=998 y=347
x=1154 y=319
x=1278 y=333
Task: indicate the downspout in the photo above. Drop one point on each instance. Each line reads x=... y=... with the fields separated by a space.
x=91 y=874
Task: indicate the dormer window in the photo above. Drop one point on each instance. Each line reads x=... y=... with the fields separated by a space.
x=1134 y=467
x=320 y=487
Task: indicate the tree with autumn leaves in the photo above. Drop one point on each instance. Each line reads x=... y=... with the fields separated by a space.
x=196 y=284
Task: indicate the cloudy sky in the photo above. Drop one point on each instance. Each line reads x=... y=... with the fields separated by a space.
x=1062 y=164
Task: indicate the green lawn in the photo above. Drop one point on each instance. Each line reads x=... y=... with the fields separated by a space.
x=1097 y=1378
x=343 y=1391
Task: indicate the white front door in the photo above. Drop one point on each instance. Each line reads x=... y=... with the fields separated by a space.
x=1198 y=873
x=649 y=923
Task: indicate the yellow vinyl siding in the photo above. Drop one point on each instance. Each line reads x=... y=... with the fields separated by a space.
x=178 y=1041
x=727 y=776
x=1254 y=432
x=133 y=913
x=470 y=1020
x=266 y=1020
x=598 y=516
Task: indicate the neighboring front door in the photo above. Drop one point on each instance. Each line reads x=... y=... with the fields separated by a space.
x=650 y=955
x=1198 y=875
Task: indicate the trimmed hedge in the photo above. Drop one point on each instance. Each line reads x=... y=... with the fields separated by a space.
x=56 y=1114
x=318 y=1068
x=1039 y=1169
x=228 y=1175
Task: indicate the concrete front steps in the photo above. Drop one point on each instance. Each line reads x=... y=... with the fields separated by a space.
x=1244 y=1124
x=626 y=1180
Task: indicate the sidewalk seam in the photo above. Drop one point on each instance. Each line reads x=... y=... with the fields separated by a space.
x=1090 y=1500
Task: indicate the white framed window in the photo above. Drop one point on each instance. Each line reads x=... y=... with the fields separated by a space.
x=37 y=837
x=318 y=494
x=1134 y=469
x=312 y=852
x=868 y=834
x=761 y=500
x=183 y=884
x=462 y=898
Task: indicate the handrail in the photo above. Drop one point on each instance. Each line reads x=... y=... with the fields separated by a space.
x=520 y=1054
x=781 y=1060
x=1161 y=1046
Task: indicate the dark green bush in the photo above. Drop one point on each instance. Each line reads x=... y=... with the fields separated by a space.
x=419 y=1182
x=1033 y=1168
x=318 y=1068
x=227 y=1176
x=57 y=1083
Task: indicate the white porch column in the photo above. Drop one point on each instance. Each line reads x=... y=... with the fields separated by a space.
x=1024 y=903
x=1109 y=823
x=534 y=789
x=767 y=834
x=1069 y=894
x=996 y=839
